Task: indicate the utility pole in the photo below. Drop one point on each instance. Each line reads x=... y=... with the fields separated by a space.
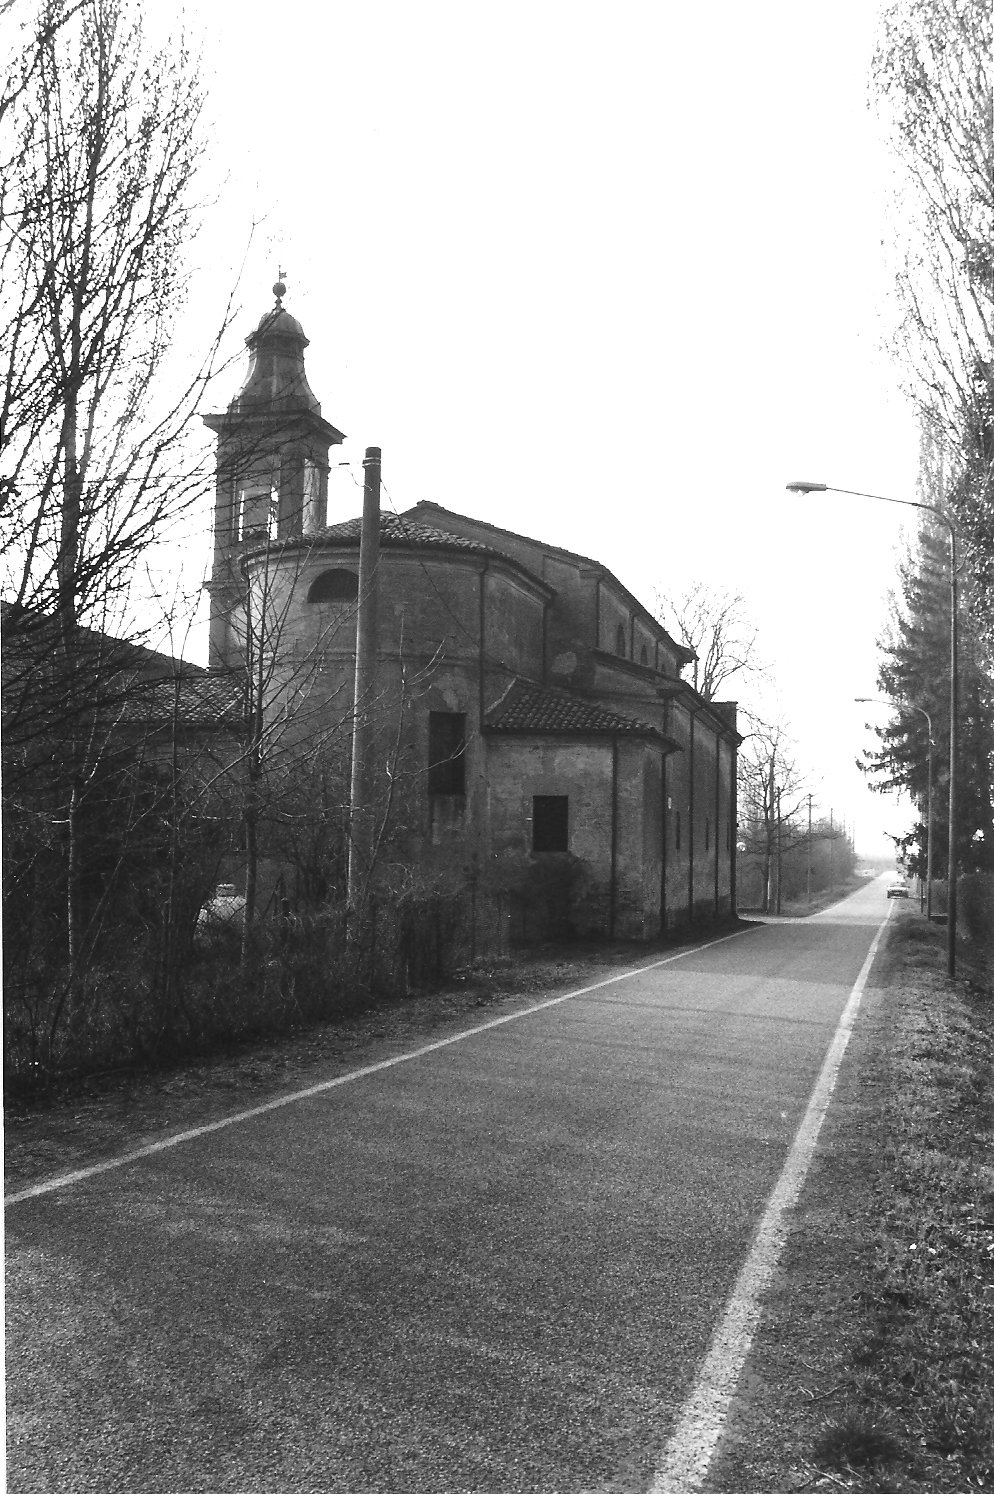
x=809 y=850
x=362 y=806
x=779 y=850
x=769 y=809
x=831 y=849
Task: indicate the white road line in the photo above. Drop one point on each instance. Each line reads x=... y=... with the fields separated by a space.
x=64 y=1180
x=691 y=1447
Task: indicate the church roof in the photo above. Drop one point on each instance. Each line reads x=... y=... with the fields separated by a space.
x=203 y=699
x=128 y=683
x=396 y=530
x=529 y=708
x=426 y=507
x=399 y=532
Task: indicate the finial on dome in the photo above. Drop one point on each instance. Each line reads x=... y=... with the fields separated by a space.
x=279 y=290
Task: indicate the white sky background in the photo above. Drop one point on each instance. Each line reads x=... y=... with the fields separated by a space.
x=607 y=274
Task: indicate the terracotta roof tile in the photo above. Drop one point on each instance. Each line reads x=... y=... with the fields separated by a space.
x=395 y=530
x=527 y=707
x=204 y=700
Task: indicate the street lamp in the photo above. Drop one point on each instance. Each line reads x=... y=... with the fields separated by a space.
x=824 y=487
x=890 y=700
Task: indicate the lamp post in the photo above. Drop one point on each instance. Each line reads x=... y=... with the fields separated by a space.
x=890 y=700
x=824 y=487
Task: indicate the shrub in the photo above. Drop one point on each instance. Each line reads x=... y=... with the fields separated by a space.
x=976 y=906
x=543 y=893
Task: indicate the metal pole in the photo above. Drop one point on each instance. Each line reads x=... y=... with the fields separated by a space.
x=361 y=826
x=824 y=487
x=831 y=849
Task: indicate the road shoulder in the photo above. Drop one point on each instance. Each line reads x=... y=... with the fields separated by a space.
x=872 y=1366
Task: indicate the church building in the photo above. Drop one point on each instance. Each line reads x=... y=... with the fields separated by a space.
x=532 y=727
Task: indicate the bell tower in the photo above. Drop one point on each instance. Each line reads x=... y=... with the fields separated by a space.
x=272 y=469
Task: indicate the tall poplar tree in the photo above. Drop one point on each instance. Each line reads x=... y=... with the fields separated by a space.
x=914 y=672
x=934 y=76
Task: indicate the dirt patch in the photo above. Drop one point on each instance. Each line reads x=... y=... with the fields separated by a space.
x=872 y=1367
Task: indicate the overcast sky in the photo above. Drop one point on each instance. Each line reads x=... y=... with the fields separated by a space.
x=607 y=274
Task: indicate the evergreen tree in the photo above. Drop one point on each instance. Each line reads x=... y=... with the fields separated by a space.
x=914 y=672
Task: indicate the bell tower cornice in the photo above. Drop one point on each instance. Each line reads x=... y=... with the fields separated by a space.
x=236 y=423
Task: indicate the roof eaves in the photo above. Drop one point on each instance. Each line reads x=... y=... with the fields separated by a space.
x=641 y=731
x=699 y=706
x=629 y=666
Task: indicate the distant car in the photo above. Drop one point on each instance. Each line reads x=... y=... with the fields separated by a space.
x=898 y=889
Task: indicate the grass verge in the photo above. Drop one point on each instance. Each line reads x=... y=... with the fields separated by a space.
x=800 y=907
x=874 y=1367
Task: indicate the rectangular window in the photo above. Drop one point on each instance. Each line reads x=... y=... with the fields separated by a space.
x=257 y=507
x=550 y=822
x=446 y=752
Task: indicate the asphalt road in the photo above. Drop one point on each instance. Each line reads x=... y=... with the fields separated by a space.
x=495 y=1267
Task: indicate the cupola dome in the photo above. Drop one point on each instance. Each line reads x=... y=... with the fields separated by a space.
x=276 y=378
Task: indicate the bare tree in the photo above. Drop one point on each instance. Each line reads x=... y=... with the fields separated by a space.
x=772 y=797
x=933 y=74
x=714 y=623
x=98 y=150
x=100 y=154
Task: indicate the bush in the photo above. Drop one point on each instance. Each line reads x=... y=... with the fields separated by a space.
x=543 y=894
x=976 y=906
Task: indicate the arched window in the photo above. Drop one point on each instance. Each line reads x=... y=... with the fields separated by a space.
x=644 y=657
x=334 y=586
x=619 y=642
